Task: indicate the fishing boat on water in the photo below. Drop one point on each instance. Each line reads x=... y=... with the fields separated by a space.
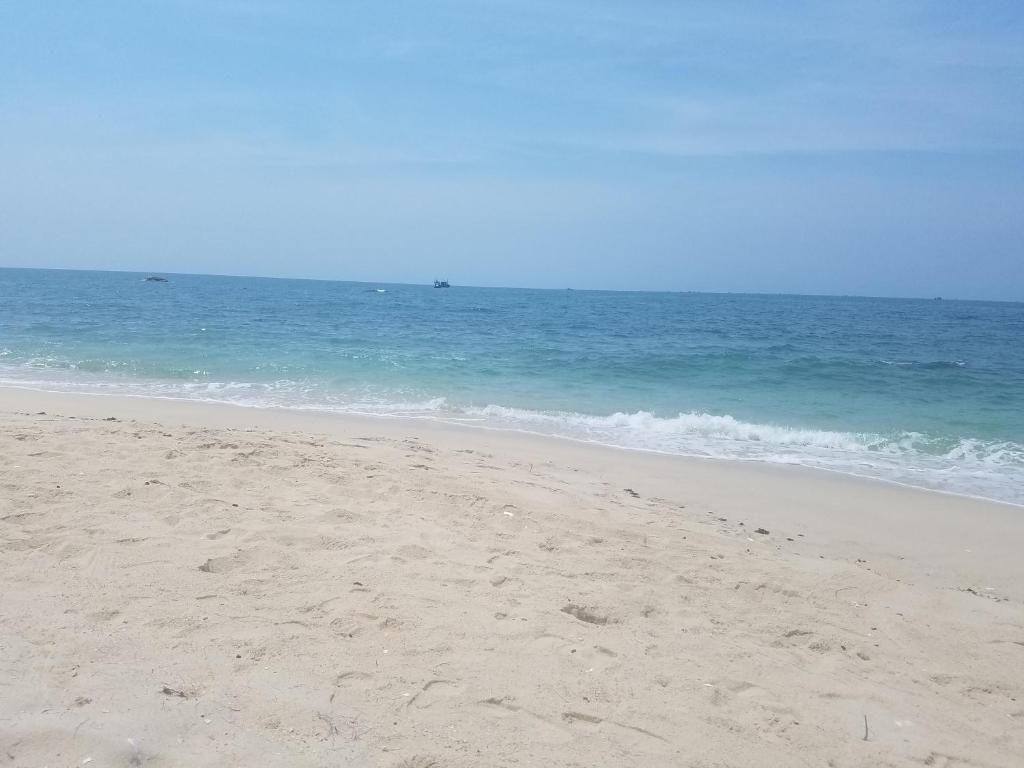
x=441 y=284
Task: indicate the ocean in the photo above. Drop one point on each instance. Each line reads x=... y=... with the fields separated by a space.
x=928 y=393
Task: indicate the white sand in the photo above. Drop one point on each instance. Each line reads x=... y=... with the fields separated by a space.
x=209 y=586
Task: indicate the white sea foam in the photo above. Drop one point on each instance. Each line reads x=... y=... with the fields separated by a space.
x=656 y=431
x=969 y=466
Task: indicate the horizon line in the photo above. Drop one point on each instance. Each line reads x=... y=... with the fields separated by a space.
x=520 y=287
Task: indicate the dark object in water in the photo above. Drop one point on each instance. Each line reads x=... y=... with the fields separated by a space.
x=155 y=279
x=441 y=284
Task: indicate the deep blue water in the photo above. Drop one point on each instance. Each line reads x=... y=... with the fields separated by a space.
x=924 y=392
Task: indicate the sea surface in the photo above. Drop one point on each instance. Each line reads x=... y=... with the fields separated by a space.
x=924 y=392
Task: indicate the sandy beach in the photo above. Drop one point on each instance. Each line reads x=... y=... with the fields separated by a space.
x=192 y=585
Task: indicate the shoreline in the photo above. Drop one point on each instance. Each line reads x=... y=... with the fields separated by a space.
x=794 y=497
x=190 y=583
x=457 y=424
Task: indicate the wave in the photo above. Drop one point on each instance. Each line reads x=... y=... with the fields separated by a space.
x=727 y=437
x=964 y=465
x=643 y=424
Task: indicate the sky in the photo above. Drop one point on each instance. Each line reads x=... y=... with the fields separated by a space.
x=857 y=147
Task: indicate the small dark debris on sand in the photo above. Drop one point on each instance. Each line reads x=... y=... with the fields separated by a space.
x=632 y=493
x=762 y=531
x=168 y=691
x=987 y=595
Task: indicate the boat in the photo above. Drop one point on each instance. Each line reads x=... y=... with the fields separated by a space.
x=441 y=284
x=156 y=279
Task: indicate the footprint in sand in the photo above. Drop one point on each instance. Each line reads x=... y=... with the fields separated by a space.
x=587 y=614
x=414 y=552
x=433 y=692
x=226 y=563
x=346 y=628
x=419 y=761
x=352 y=678
x=622 y=729
x=794 y=638
x=539 y=727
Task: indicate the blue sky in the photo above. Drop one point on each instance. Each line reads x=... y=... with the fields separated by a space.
x=819 y=147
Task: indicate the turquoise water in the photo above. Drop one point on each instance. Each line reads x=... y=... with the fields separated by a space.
x=929 y=393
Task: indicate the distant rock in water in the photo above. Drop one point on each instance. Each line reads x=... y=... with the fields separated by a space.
x=155 y=279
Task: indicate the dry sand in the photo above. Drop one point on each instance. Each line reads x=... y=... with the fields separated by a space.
x=186 y=585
